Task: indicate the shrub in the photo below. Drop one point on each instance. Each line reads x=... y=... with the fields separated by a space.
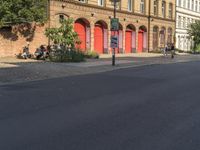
x=197 y=49
x=179 y=50
x=156 y=51
x=58 y=54
x=92 y=54
x=77 y=56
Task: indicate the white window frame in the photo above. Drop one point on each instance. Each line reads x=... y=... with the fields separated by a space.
x=163 y=9
x=142 y=6
x=155 y=7
x=82 y=1
x=101 y=2
x=130 y=5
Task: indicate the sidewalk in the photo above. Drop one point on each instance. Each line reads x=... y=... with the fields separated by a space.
x=143 y=55
x=14 y=70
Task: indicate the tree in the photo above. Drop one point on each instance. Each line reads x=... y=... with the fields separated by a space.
x=14 y=12
x=64 y=35
x=194 y=33
x=65 y=40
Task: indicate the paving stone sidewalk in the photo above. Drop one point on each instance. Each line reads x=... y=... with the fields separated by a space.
x=14 y=70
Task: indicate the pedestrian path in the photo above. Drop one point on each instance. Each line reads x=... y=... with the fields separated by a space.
x=15 y=70
x=140 y=55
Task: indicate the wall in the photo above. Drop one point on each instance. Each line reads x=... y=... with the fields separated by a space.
x=12 y=40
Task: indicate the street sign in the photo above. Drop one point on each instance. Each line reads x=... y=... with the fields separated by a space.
x=114 y=24
x=114 y=41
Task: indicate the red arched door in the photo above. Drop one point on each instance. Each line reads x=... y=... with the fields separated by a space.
x=140 y=41
x=128 y=42
x=80 y=28
x=98 y=39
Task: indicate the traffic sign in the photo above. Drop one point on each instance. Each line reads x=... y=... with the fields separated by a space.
x=114 y=41
x=114 y=24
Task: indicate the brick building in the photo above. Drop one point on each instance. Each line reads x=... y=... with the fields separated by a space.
x=145 y=25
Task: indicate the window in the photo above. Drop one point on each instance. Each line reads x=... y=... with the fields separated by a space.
x=188 y=22
x=184 y=22
x=130 y=4
x=184 y=3
x=101 y=2
x=192 y=5
x=142 y=6
x=179 y=3
x=179 y=42
x=169 y=37
x=162 y=36
x=155 y=7
x=199 y=6
x=170 y=10
x=179 y=21
x=61 y=18
x=163 y=9
x=191 y=20
x=83 y=1
x=188 y=4
x=196 y=5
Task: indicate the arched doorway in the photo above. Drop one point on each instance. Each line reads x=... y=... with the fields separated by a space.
x=101 y=37
x=169 y=37
x=130 y=39
x=120 y=39
x=162 y=37
x=82 y=27
x=155 y=37
x=142 y=39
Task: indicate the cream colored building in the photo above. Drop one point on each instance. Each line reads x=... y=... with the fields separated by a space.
x=145 y=25
x=187 y=11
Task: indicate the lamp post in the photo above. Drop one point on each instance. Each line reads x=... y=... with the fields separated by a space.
x=113 y=54
x=114 y=27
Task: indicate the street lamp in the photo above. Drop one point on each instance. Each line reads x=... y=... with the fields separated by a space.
x=114 y=27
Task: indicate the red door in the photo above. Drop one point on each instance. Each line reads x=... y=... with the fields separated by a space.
x=98 y=39
x=140 y=41
x=128 y=42
x=80 y=28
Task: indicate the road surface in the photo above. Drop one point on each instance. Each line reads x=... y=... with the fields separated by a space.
x=153 y=107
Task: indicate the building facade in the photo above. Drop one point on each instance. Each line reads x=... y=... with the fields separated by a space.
x=144 y=25
x=187 y=11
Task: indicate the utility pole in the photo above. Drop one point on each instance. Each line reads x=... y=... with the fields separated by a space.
x=114 y=28
x=149 y=24
x=113 y=53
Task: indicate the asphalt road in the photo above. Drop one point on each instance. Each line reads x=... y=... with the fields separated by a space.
x=146 y=108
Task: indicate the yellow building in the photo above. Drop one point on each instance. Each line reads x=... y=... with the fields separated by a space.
x=145 y=25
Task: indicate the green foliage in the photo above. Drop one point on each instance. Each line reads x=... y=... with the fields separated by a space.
x=157 y=51
x=77 y=56
x=63 y=55
x=19 y=11
x=64 y=35
x=65 y=40
x=194 y=33
x=197 y=48
x=92 y=54
x=180 y=51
